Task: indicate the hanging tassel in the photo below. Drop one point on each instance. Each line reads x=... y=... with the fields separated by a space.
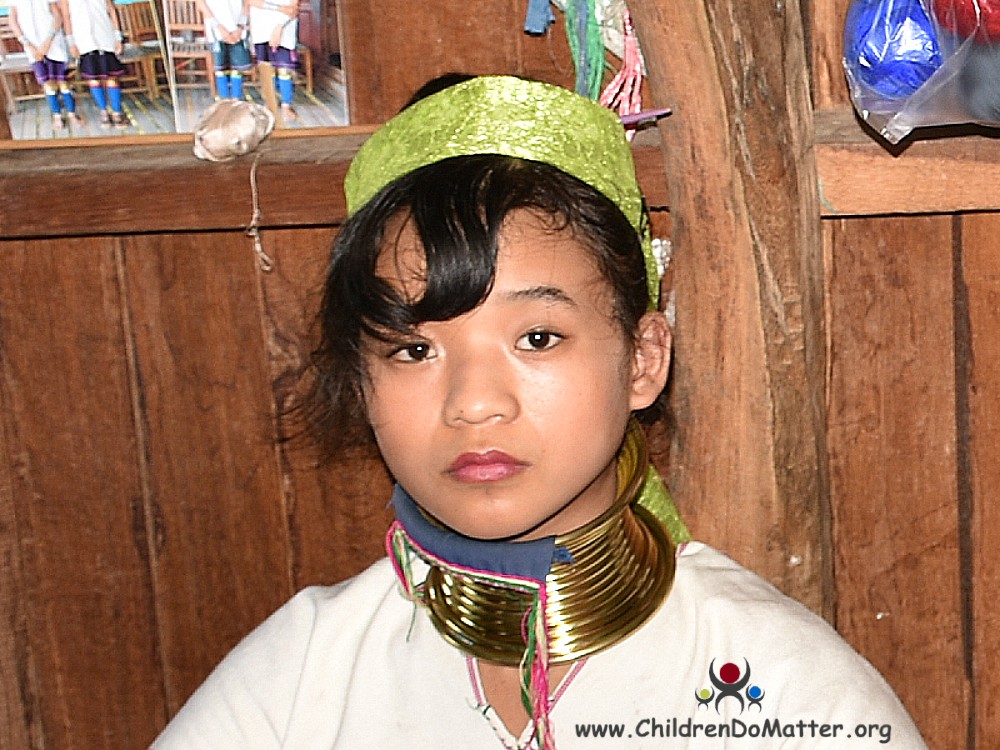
x=399 y=554
x=623 y=94
x=586 y=45
x=535 y=672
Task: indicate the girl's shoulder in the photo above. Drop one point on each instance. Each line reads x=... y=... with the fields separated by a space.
x=719 y=582
x=738 y=607
x=359 y=598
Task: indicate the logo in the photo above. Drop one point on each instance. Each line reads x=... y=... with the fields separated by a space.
x=730 y=682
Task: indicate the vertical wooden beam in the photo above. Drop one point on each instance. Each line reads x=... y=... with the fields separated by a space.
x=893 y=462
x=748 y=463
x=218 y=530
x=980 y=246
x=826 y=46
x=16 y=692
x=87 y=662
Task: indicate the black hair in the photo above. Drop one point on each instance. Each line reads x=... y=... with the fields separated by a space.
x=434 y=85
x=457 y=208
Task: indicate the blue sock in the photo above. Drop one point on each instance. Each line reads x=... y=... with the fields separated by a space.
x=69 y=101
x=236 y=85
x=53 y=99
x=285 y=89
x=115 y=95
x=222 y=84
x=99 y=98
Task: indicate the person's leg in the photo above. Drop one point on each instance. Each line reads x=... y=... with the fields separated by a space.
x=69 y=103
x=239 y=61
x=220 y=66
x=115 y=102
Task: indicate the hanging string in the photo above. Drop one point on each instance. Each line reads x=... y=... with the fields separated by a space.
x=253 y=229
x=623 y=94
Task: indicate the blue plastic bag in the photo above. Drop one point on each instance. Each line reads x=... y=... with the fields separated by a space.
x=905 y=70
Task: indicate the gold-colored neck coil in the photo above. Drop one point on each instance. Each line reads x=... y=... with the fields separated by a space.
x=621 y=571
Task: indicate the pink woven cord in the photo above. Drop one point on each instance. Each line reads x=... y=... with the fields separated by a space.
x=623 y=94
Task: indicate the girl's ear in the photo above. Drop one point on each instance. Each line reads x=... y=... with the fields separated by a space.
x=650 y=360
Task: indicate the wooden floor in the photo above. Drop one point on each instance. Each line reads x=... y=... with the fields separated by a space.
x=325 y=106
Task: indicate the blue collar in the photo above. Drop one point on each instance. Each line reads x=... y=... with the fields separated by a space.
x=530 y=560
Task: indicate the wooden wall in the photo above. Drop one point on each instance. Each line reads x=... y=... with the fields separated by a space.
x=913 y=296
x=149 y=517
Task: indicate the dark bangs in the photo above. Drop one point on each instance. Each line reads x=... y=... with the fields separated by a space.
x=457 y=207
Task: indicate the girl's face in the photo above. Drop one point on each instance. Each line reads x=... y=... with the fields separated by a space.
x=505 y=422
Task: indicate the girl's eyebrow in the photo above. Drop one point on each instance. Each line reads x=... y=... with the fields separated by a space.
x=541 y=292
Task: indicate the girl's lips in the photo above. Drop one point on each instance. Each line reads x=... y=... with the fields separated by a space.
x=490 y=466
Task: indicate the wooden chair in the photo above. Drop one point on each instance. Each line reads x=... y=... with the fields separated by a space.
x=186 y=44
x=16 y=76
x=306 y=64
x=142 y=44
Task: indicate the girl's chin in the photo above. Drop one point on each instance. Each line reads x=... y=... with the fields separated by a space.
x=494 y=532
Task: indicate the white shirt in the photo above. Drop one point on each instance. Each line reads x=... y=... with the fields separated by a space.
x=227 y=15
x=36 y=21
x=356 y=666
x=91 y=25
x=263 y=21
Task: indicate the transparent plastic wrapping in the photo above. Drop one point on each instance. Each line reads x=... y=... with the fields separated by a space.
x=918 y=63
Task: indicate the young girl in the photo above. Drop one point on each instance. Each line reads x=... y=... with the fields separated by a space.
x=226 y=29
x=95 y=36
x=490 y=319
x=274 y=30
x=38 y=25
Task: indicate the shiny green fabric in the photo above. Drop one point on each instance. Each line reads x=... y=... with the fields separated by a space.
x=512 y=117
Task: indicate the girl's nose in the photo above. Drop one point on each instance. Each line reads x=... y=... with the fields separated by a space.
x=480 y=390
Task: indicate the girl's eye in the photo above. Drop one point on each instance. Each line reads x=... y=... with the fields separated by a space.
x=538 y=341
x=415 y=352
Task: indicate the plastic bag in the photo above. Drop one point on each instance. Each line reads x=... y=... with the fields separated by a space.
x=918 y=63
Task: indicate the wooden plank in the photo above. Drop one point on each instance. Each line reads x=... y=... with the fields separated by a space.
x=221 y=554
x=981 y=276
x=925 y=176
x=87 y=656
x=163 y=187
x=747 y=386
x=390 y=51
x=5 y=134
x=862 y=175
x=340 y=512
x=16 y=668
x=825 y=23
x=893 y=461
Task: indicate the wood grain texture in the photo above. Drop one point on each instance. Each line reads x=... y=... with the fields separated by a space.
x=826 y=47
x=84 y=632
x=944 y=171
x=338 y=512
x=138 y=185
x=980 y=236
x=893 y=462
x=391 y=51
x=5 y=134
x=18 y=689
x=219 y=543
x=162 y=186
x=748 y=456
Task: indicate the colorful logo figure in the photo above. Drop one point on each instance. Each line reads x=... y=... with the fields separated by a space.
x=730 y=682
